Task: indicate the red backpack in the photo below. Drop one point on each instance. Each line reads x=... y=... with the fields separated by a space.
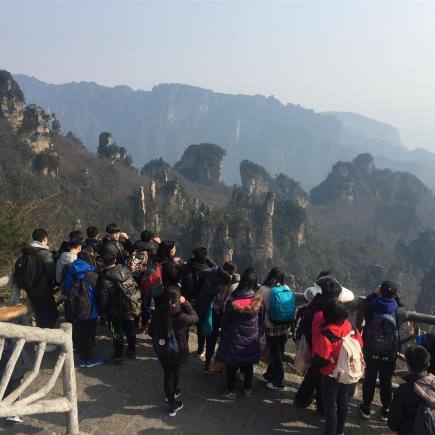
x=151 y=283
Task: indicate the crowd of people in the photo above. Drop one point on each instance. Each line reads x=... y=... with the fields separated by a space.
x=144 y=287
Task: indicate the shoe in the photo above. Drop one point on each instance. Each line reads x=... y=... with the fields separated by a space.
x=82 y=363
x=93 y=362
x=176 y=395
x=262 y=378
x=131 y=354
x=116 y=360
x=209 y=371
x=365 y=411
x=227 y=393
x=247 y=393
x=384 y=414
x=274 y=387
x=173 y=410
x=14 y=419
x=300 y=404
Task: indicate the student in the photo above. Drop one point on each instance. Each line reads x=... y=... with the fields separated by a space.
x=82 y=271
x=109 y=306
x=148 y=242
x=67 y=258
x=214 y=293
x=172 y=320
x=240 y=338
x=93 y=243
x=383 y=318
x=326 y=350
x=276 y=333
x=404 y=406
x=117 y=243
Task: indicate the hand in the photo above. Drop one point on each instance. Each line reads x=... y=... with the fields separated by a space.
x=123 y=236
x=157 y=240
x=182 y=300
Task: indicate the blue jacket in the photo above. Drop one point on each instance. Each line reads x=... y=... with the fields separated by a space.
x=78 y=271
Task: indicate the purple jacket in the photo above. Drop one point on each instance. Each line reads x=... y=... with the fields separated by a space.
x=240 y=338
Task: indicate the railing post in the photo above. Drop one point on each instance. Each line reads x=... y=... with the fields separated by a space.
x=69 y=382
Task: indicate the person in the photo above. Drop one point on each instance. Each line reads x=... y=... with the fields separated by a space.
x=93 y=244
x=346 y=295
x=118 y=243
x=40 y=291
x=64 y=246
x=383 y=317
x=192 y=276
x=67 y=258
x=148 y=242
x=276 y=333
x=406 y=401
x=173 y=317
x=240 y=339
x=82 y=270
x=214 y=293
x=310 y=325
x=109 y=306
x=326 y=351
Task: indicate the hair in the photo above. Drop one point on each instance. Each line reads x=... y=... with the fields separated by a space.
x=146 y=236
x=417 y=358
x=165 y=248
x=163 y=313
x=109 y=259
x=92 y=232
x=86 y=256
x=75 y=243
x=331 y=289
x=389 y=290
x=39 y=234
x=200 y=253
x=275 y=276
x=112 y=228
x=324 y=273
x=229 y=267
x=334 y=312
x=76 y=234
x=248 y=280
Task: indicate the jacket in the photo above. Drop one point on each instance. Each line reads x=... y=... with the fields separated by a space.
x=240 y=338
x=120 y=249
x=326 y=348
x=108 y=297
x=93 y=246
x=404 y=406
x=305 y=319
x=65 y=259
x=182 y=320
x=43 y=284
x=192 y=277
x=81 y=270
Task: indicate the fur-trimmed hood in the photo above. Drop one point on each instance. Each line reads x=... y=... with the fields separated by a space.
x=248 y=305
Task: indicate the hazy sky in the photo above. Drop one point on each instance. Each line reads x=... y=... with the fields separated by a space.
x=372 y=57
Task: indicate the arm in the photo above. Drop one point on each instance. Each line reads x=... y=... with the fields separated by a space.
x=322 y=351
x=187 y=317
x=102 y=295
x=48 y=263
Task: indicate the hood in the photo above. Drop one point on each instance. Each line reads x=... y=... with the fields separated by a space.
x=248 y=305
x=425 y=388
x=195 y=264
x=33 y=247
x=340 y=330
x=80 y=267
x=384 y=305
x=118 y=273
x=67 y=258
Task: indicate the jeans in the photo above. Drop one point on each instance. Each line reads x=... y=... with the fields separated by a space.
x=45 y=308
x=170 y=380
x=86 y=330
x=211 y=340
x=310 y=384
x=275 y=370
x=335 y=398
x=385 y=367
x=247 y=371
x=120 y=327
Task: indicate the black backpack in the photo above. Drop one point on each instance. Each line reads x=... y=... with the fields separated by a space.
x=424 y=423
x=191 y=283
x=25 y=270
x=79 y=299
x=130 y=298
x=381 y=335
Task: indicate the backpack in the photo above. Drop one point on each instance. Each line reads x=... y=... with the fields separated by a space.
x=349 y=368
x=282 y=305
x=303 y=356
x=66 y=269
x=424 y=422
x=381 y=336
x=79 y=299
x=130 y=298
x=191 y=283
x=137 y=263
x=25 y=271
x=165 y=347
x=152 y=280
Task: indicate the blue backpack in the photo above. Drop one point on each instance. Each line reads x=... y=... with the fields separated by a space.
x=165 y=347
x=282 y=305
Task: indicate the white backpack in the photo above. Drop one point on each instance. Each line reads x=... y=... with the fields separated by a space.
x=350 y=365
x=303 y=355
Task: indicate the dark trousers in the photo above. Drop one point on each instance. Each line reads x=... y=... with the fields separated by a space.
x=86 y=330
x=171 y=375
x=120 y=327
x=310 y=384
x=335 y=398
x=247 y=371
x=45 y=309
x=146 y=310
x=385 y=367
x=211 y=340
x=275 y=370
x=71 y=319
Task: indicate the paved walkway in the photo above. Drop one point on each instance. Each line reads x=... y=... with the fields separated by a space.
x=127 y=399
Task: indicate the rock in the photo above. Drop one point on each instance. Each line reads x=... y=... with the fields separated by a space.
x=255 y=179
x=35 y=130
x=11 y=100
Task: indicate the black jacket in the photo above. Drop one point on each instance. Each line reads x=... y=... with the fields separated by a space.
x=304 y=318
x=120 y=249
x=43 y=284
x=192 y=277
x=403 y=408
x=108 y=297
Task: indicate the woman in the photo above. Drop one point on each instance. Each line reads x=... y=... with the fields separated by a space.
x=166 y=258
x=169 y=328
x=335 y=395
x=240 y=340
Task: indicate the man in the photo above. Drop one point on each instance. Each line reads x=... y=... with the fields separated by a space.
x=148 y=242
x=40 y=289
x=117 y=243
x=93 y=242
x=67 y=258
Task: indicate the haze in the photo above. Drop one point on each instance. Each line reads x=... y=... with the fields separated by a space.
x=370 y=57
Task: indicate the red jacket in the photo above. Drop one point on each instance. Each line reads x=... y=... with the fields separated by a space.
x=316 y=327
x=328 y=344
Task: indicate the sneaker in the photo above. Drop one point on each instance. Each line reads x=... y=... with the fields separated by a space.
x=384 y=414
x=131 y=354
x=262 y=377
x=93 y=362
x=82 y=363
x=247 y=393
x=365 y=411
x=274 y=387
x=176 y=395
x=173 y=410
x=14 y=419
x=227 y=393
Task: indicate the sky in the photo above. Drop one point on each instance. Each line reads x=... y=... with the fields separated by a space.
x=372 y=57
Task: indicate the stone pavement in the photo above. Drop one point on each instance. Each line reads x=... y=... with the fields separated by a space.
x=127 y=399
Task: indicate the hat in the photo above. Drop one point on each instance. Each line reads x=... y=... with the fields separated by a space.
x=389 y=290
